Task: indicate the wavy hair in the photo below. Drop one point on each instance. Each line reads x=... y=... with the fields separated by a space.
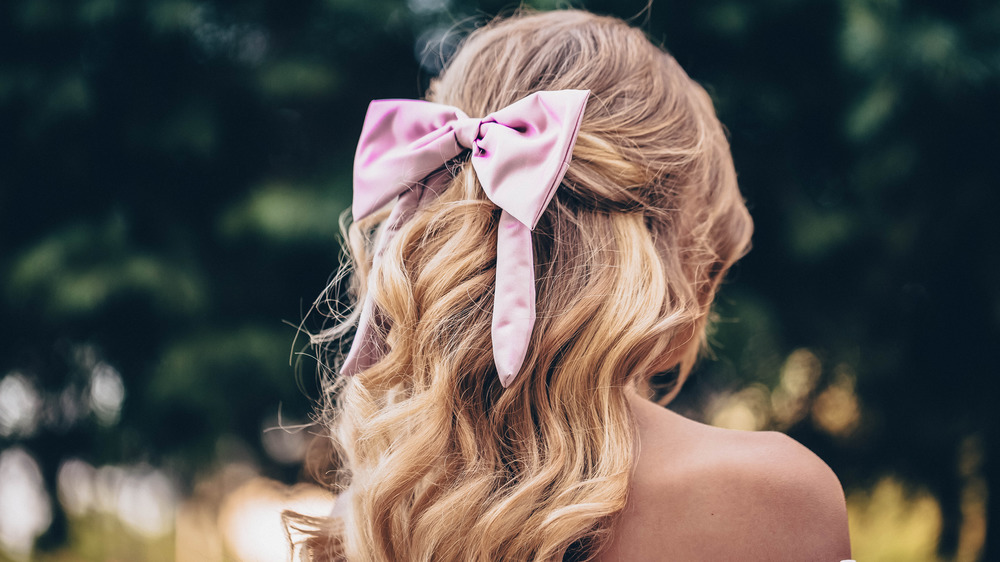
x=442 y=462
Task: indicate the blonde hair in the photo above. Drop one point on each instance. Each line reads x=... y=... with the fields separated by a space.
x=443 y=462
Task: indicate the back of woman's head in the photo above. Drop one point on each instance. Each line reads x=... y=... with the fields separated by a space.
x=444 y=462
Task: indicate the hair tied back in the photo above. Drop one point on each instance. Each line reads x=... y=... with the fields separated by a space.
x=519 y=153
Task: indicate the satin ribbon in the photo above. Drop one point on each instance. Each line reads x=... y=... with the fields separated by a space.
x=520 y=155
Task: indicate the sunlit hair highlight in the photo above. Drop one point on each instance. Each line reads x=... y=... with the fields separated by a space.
x=444 y=463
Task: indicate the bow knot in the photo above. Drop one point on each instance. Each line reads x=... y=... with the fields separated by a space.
x=520 y=154
x=467 y=131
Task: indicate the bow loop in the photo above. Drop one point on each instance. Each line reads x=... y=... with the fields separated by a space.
x=527 y=148
x=520 y=154
x=402 y=142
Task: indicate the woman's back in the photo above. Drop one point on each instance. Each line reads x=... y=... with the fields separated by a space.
x=706 y=493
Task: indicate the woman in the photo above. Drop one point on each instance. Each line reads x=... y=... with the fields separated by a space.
x=567 y=207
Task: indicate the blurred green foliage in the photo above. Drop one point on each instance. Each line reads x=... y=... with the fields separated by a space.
x=173 y=173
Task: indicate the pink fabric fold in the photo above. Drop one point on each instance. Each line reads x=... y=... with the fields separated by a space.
x=520 y=154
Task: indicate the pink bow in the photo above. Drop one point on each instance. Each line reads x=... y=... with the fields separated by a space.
x=520 y=154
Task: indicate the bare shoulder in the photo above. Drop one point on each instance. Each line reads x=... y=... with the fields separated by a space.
x=704 y=493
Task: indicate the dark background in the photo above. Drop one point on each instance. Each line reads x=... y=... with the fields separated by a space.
x=172 y=173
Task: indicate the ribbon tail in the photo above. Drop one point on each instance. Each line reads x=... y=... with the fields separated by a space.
x=366 y=349
x=514 y=300
x=364 y=352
